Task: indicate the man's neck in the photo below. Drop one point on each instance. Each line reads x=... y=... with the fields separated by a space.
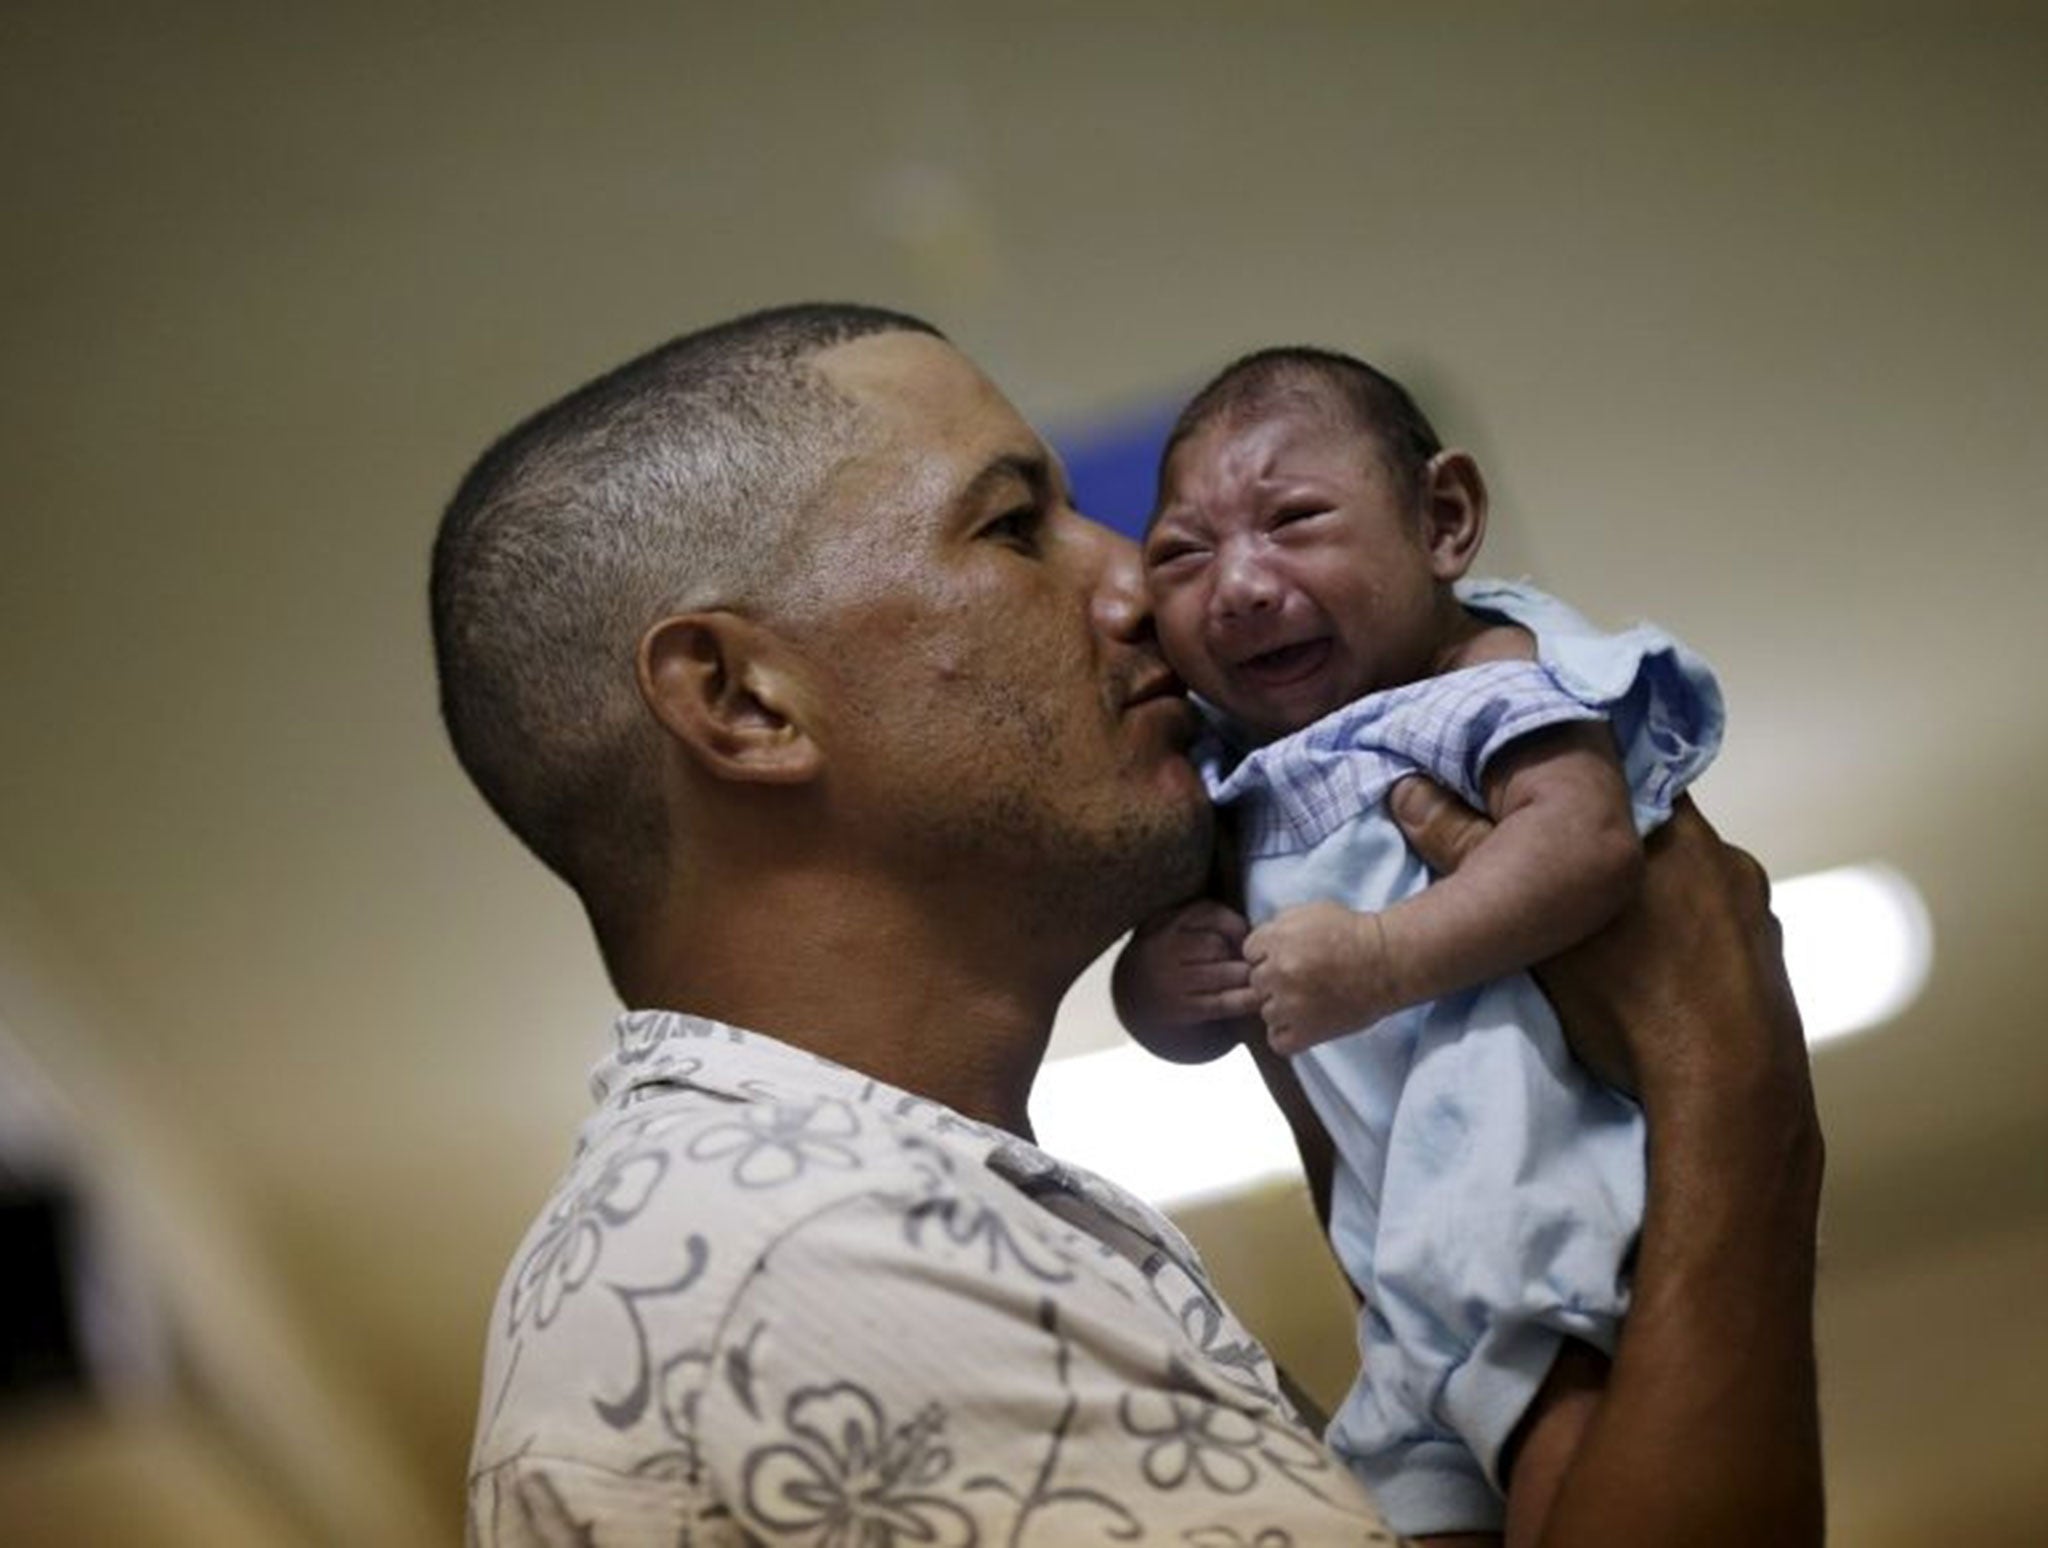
x=902 y=991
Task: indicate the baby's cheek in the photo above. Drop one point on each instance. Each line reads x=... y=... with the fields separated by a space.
x=1180 y=640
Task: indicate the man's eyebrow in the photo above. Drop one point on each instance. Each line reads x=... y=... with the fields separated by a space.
x=1029 y=468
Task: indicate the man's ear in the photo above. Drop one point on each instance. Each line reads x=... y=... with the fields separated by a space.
x=733 y=696
x=1453 y=512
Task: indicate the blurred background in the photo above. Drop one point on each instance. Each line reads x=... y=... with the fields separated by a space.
x=1740 y=305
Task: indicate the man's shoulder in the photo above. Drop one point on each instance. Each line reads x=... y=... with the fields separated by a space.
x=732 y=1170
x=739 y=1298
x=680 y=1200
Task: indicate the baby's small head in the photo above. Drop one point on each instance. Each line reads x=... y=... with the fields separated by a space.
x=1308 y=529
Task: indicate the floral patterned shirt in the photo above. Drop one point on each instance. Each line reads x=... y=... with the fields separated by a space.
x=774 y=1300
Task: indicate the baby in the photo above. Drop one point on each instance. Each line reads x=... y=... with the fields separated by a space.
x=1307 y=565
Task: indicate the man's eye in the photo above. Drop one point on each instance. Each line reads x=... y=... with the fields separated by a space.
x=1018 y=528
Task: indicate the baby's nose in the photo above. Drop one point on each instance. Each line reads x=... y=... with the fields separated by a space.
x=1244 y=585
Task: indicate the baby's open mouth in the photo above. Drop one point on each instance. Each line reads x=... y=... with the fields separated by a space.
x=1285 y=664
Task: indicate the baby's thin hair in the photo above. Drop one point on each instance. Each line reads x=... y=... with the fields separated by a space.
x=1369 y=399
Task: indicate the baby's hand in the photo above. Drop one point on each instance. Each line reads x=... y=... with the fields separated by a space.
x=1319 y=971
x=1185 y=970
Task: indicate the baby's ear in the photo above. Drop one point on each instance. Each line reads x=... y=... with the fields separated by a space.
x=1453 y=511
x=732 y=695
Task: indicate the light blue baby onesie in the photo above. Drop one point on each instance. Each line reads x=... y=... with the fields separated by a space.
x=1487 y=1191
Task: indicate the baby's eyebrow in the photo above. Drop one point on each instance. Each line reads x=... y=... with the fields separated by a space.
x=1168 y=516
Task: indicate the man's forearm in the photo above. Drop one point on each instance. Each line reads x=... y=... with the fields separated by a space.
x=1708 y=1430
x=1709 y=1427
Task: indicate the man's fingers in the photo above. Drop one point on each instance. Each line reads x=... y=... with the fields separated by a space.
x=1759 y=878
x=1203 y=948
x=1438 y=826
x=1229 y=1004
x=1217 y=920
x=1206 y=978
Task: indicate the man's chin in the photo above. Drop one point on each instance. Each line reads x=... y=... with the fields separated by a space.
x=1179 y=864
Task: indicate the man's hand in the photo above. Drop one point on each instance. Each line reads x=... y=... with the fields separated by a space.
x=1182 y=986
x=1696 y=951
x=1319 y=971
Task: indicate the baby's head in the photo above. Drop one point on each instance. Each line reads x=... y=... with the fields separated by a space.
x=1308 y=529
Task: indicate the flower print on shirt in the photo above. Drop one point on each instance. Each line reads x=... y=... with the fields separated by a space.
x=563 y=1257
x=775 y=1144
x=1193 y=1438
x=854 y=1482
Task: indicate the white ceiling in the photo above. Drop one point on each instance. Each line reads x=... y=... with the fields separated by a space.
x=1741 y=306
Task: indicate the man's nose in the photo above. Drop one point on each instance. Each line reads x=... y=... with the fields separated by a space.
x=1121 y=606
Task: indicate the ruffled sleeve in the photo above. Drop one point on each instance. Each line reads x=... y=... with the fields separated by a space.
x=1660 y=698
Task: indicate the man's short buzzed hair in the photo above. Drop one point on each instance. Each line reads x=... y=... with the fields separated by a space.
x=1370 y=400
x=669 y=484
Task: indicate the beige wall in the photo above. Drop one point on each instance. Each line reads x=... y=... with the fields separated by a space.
x=1741 y=305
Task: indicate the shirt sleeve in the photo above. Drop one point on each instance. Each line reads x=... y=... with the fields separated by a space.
x=903 y=1371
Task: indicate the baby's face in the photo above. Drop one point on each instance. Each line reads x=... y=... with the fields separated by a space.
x=1288 y=575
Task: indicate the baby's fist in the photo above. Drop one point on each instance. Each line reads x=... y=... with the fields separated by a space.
x=1319 y=971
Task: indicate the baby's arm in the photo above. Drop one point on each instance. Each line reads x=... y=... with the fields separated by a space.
x=1562 y=859
x=1181 y=985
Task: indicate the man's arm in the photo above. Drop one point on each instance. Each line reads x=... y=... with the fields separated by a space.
x=1709 y=1431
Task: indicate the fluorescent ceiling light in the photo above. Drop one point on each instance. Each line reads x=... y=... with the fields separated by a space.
x=1857 y=946
x=1170 y=1133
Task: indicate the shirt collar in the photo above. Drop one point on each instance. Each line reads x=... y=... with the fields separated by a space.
x=654 y=1049
x=659 y=1050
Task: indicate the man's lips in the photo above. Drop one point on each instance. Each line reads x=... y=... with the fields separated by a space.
x=1158 y=683
x=1284 y=665
x=1163 y=693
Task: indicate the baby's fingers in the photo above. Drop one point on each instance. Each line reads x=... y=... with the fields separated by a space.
x=1258 y=948
x=1289 y=1038
x=1276 y=1003
x=1281 y=1032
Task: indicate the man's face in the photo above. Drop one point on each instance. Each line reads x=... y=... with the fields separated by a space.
x=1288 y=574
x=997 y=704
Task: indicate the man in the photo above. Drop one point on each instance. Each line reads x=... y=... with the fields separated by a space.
x=784 y=646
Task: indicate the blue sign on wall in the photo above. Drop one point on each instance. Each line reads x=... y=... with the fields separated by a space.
x=1114 y=465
